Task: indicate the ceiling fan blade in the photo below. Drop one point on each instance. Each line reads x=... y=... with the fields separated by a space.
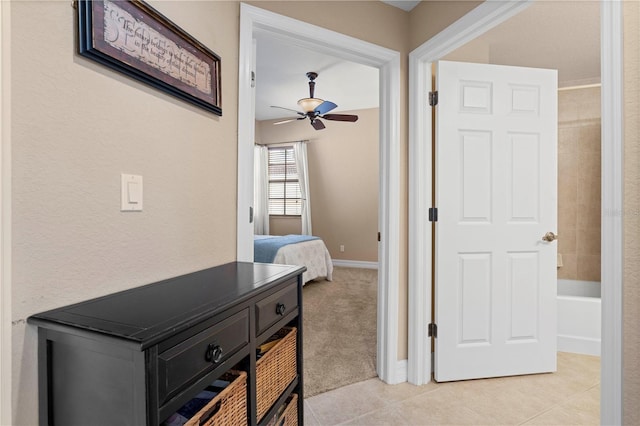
x=317 y=124
x=341 y=117
x=289 y=109
x=325 y=107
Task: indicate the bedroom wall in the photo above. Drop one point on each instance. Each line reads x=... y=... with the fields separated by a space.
x=76 y=126
x=343 y=179
x=283 y=225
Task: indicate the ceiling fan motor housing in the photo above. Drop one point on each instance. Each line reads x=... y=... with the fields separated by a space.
x=312 y=84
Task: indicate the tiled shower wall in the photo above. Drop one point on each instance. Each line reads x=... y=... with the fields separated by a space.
x=579 y=183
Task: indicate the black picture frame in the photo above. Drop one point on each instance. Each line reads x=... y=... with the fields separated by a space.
x=135 y=39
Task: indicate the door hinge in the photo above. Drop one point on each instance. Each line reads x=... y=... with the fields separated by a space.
x=432 y=330
x=433 y=214
x=378 y=237
x=253 y=79
x=250 y=214
x=433 y=98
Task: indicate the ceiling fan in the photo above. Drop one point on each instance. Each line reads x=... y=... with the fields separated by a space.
x=315 y=109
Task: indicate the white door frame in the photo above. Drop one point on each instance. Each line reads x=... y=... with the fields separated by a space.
x=467 y=28
x=388 y=62
x=5 y=215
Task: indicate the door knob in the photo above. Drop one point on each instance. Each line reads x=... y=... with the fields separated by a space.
x=549 y=237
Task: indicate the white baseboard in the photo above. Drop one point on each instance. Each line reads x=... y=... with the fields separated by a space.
x=355 y=264
x=402 y=371
x=579 y=345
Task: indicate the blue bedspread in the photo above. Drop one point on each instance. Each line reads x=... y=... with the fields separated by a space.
x=266 y=247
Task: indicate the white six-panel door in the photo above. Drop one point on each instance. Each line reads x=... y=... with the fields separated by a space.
x=496 y=193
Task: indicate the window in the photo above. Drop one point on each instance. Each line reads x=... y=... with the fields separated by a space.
x=284 y=189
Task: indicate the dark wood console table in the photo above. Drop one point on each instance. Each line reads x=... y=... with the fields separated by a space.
x=135 y=357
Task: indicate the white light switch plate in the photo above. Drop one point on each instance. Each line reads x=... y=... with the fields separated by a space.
x=131 y=193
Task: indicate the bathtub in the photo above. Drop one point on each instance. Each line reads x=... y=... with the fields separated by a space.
x=579 y=313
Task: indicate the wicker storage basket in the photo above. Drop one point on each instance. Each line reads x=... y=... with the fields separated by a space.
x=275 y=370
x=229 y=407
x=289 y=417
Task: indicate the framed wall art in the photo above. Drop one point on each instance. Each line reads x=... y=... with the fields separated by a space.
x=135 y=39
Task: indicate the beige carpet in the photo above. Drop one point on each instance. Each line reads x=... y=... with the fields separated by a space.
x=339 y=320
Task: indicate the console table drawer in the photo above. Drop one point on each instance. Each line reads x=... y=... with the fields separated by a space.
x=271 y=310
x=201 y=353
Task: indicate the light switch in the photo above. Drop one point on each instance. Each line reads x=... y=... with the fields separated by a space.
x=131 y=193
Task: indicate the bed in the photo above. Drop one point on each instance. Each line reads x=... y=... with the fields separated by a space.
x=305 y=250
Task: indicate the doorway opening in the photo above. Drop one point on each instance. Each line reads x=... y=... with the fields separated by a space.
x=468 y=28
x=387 y=61
x=343 y=180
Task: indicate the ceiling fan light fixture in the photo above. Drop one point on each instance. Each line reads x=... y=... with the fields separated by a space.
x=315 y=108
x=309 y=104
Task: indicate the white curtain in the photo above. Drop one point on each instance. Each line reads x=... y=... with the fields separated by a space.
x=261 y=190
x=300 y=154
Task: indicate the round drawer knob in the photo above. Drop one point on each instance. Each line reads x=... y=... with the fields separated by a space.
x=280 y=308
x=213 y=354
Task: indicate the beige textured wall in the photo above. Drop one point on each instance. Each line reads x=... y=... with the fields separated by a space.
x=384 y=25
x=430 y=17
x=579 y=178
x=283 y=225
x=76 y=127
x=343 y=178
x=631 y=291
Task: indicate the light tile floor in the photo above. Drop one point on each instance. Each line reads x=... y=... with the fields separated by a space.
x=571 y=396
